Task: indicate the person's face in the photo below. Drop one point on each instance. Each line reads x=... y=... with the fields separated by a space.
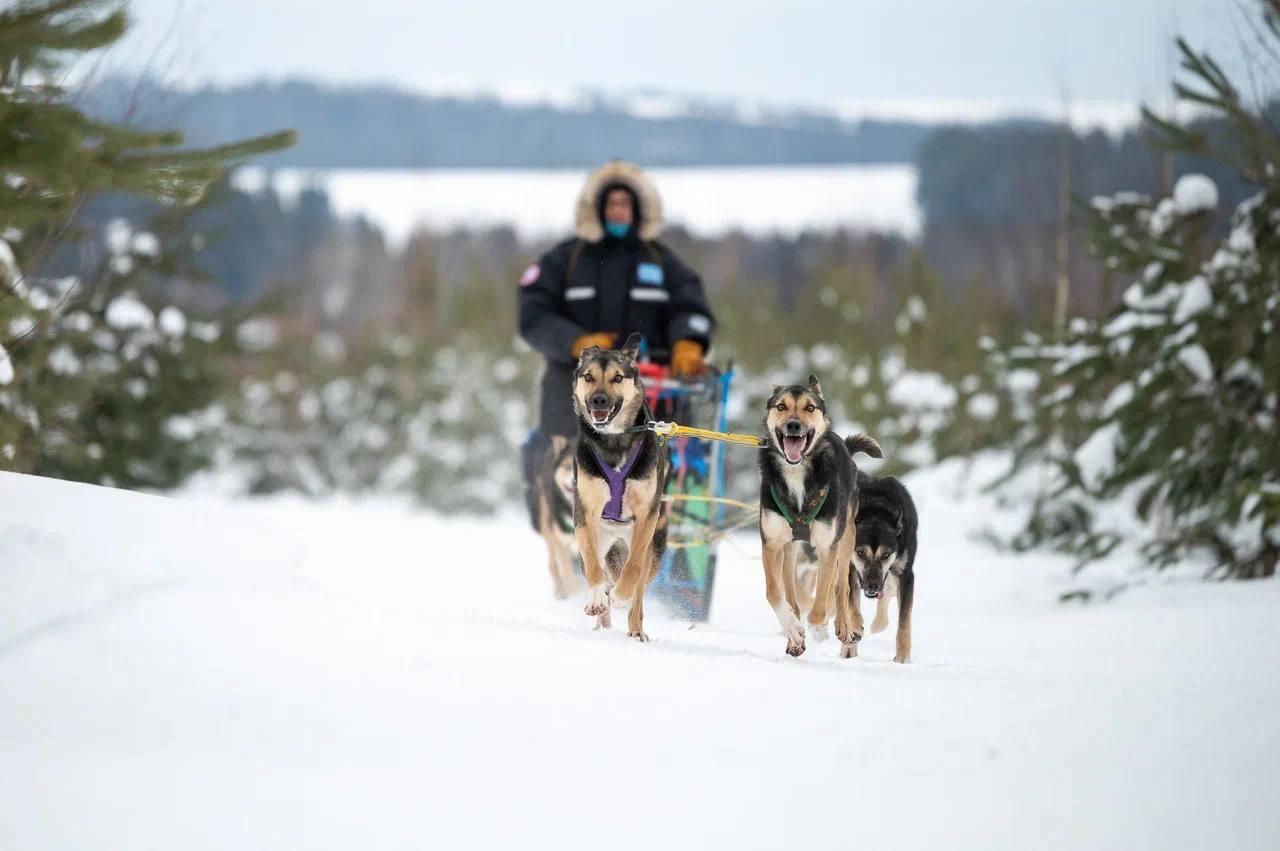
x=617 y=207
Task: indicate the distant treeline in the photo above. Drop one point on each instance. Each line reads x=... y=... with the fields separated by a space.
x=382 y=127
x=992 y=199
x=991 y=195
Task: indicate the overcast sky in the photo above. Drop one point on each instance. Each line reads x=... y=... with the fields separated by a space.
x=819 y=53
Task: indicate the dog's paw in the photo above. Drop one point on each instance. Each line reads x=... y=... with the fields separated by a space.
x=902 y=660
x=819 y=632
x=597 y=600
x=848 y=636
x=846 y=632
x=638 y=635
x=794 y=631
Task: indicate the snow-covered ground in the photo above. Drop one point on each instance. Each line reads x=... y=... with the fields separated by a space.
x=194 y=674
x=539 y=203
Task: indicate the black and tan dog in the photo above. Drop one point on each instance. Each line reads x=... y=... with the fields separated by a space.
x=809 y=494
x=618 y=515
x=884 y=554
x=549 y=499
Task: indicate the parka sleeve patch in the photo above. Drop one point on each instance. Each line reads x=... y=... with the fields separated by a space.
x=651 y=274
x=531 y=275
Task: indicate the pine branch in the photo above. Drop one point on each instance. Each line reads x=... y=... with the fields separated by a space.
x=1174 y=136
x=32 y=36
x=233 y=151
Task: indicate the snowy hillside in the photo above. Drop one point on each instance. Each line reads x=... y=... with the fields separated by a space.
x=538 y=203
x=190 y=674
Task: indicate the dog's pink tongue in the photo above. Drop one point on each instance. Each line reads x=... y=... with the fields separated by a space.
x=793 y=448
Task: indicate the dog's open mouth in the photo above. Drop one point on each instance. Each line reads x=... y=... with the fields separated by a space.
x=874 y=595
x=794 y=446
x=602 y=416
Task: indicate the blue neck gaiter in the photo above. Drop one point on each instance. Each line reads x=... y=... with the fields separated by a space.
x=617 y=230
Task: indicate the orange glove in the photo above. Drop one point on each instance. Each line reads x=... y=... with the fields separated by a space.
x=686 y=359
x=603 y=339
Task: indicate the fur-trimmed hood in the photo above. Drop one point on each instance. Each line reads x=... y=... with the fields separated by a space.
x=586 y=216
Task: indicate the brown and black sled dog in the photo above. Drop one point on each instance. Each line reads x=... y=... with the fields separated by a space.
x=809 y=495
x=618 y=513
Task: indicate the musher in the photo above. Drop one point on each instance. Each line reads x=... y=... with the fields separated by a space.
x=611 y=278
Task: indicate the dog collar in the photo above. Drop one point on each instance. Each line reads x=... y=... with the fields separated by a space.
x=617 y=480
x=800 y=525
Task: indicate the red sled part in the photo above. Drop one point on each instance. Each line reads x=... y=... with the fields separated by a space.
x=652 y=374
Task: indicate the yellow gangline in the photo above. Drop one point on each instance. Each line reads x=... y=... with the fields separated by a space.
x=669 y=430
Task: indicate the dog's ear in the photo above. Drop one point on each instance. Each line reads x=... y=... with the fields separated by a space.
x=815 y=386
x=588 y=353
x=631 y=348
x=773 y=394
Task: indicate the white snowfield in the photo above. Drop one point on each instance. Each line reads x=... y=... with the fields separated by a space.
x=538 y=203
x=190 y=674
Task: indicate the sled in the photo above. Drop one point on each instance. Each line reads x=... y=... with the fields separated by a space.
x=695 y=487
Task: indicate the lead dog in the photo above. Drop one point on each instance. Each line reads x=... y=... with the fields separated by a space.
x=884 y=555
x=809 y=494
x=618 y=513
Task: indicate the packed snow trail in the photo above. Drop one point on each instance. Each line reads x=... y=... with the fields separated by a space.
x=191 y=674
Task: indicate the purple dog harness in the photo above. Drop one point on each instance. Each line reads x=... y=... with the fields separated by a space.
x=617 y=480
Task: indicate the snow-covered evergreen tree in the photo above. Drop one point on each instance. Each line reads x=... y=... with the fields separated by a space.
x=98 y=381
x=1169 y=406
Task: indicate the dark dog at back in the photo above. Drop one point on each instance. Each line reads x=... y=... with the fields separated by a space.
x=884 y=555
x=618 y=516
